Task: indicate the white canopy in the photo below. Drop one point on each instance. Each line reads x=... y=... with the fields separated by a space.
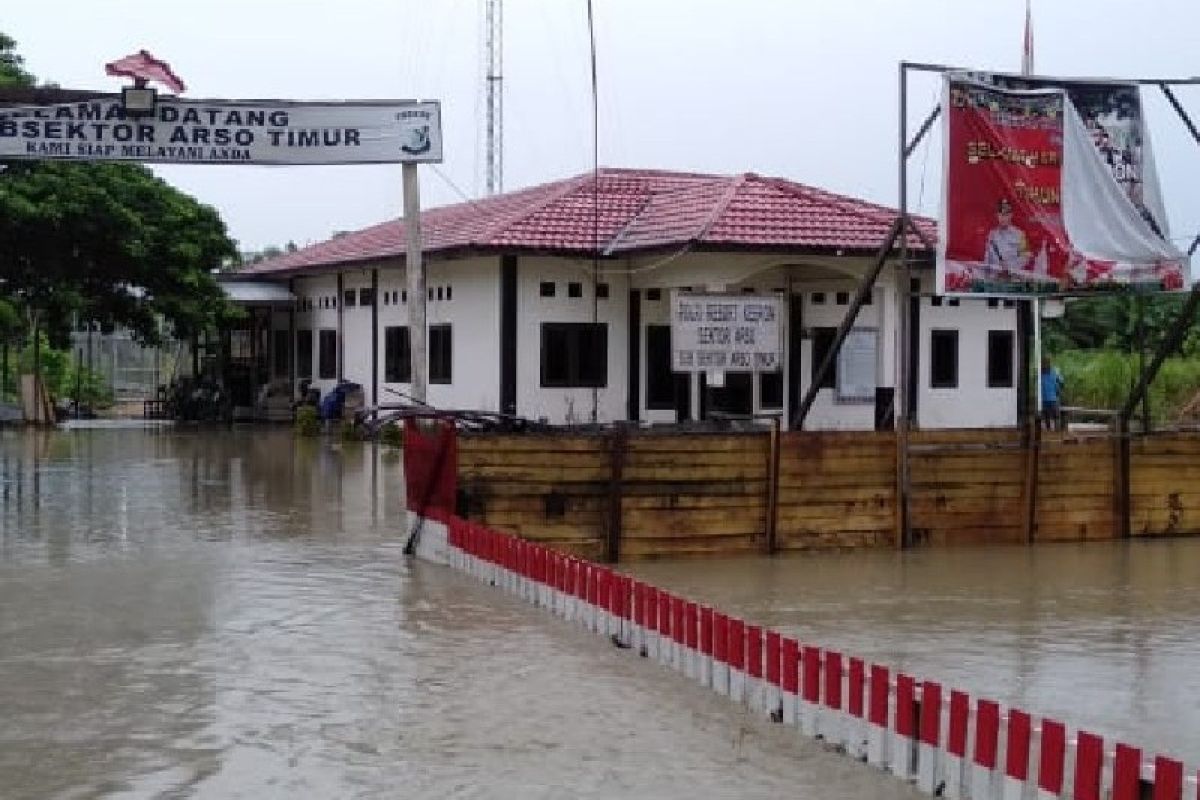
x=257 y=293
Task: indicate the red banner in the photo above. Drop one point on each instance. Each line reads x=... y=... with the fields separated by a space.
x=431 y=468
x=1004 y=230
x=1030 y=207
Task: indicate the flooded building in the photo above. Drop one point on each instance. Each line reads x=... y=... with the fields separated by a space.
x=554 y=302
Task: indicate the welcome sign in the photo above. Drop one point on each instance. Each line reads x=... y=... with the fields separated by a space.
x=227 y=132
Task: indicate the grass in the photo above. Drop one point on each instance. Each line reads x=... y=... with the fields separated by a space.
x=1105 y=379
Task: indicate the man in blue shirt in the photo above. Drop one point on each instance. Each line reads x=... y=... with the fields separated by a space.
x=1052 y=383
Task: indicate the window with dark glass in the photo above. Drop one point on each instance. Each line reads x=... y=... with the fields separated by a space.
x=546 y=288
x=397 y=355
x=822 y=343
x=842 y=298
x=1000 y=359
x=943 y=359
x=282 y=351
x=770 y=389
x=366 y=297
x=654 y=295
x=441 y=352
x=304 y=354
x=327 y=355
x=574 y=354
x=602 y=291
x=660 y=380
x=574 y=289
x=349 y=298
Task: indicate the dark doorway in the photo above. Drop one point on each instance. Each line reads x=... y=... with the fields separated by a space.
x=735 y=398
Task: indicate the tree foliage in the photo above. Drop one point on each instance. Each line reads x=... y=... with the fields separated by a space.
x=1120 y=322
x=105 y=242
x=12 y=66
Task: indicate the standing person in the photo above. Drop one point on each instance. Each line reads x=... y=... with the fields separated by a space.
x=1052 y=383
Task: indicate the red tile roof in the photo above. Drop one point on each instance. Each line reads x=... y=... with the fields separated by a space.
x=628 y=211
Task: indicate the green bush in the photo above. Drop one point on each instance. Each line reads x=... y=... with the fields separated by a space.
x=307 y=421
x=1105 y=379
x=392 y=435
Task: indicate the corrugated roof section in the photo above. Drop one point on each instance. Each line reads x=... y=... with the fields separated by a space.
x=623 y=211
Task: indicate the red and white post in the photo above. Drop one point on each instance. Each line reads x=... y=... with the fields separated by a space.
x=987 y=737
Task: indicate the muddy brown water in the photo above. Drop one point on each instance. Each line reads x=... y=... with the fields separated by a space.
x=206 y=613
x=1104 y=636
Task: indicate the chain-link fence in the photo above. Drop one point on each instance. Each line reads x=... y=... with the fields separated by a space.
x=130 y=371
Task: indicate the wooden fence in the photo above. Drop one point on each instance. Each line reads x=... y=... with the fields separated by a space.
x=637 y=494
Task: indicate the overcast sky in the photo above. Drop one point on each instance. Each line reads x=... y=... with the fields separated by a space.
x=794 y=88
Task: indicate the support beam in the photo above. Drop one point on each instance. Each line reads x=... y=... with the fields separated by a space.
x=339 y=301
x=924 y=129
x=375 y=337
x=1183 y=115
x=860 y=298
x=1168 y=345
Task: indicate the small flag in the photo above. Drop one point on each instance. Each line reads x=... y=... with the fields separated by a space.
x=144 y=67
x=1027 y=51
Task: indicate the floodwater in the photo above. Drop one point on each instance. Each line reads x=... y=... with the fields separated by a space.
x=1103 y=636
x=205 y=613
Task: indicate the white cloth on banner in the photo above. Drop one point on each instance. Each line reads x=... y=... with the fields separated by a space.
x=1101 y=221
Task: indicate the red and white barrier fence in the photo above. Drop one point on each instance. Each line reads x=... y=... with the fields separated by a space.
x=948 y=743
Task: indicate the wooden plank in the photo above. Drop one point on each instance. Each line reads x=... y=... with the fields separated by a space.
x=828 y=508
x=481 y=460
x=469 y=444
x=573 y=504
x=793 y=517
x=724 y=443
x=667 y=474
x=541 y=473
x=694 y=501
x=802 y=495
x=494 y=488
x=843 y=540
x=747 y=458
x=978 y=536
x=640 y=522
x=724 y=545
x=832 y=483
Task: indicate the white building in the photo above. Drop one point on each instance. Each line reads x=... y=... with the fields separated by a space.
x=519 y=321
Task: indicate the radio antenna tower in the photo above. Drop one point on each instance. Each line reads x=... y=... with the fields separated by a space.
x=494 y=75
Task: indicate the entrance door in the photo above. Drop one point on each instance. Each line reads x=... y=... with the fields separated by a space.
x=665 y=389
x=735 y=398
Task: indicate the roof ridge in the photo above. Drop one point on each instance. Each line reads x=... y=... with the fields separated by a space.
x=637 y=215
x=735 y=184
x=702 y=180
x=844 y=202
x=568 y=185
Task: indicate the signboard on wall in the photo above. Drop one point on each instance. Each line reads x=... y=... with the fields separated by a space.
x=856 y=367
x=736 y=333
x=227 y=132
x=1049 y=187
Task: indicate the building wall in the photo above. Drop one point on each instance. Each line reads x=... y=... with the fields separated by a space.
x=972 y=404
x=316 y=291
x=470 y=302
x=355 y=341
x=564 y=405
